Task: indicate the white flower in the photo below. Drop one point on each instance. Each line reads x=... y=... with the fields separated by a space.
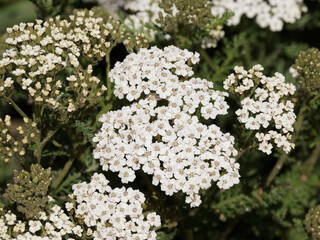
x=34 y=226
x=69 y=206
x=10 y=218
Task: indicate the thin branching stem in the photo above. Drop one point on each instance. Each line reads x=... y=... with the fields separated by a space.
x=17 y=108
x=42 y=144
x=311 y=162
x=63 y=174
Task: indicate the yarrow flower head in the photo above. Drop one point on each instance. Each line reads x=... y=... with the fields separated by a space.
x=50 y=224
x=53 y=60
x=268 y=13
x=159 y=134
x=264 y=107
x=113 y=213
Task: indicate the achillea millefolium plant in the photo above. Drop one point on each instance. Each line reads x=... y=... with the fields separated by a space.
x=161 y=119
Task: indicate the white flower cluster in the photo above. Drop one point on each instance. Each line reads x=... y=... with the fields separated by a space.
x=114 y=213
x=144 y=11
x=153 y=70
x=158 y=134
x=147 y=11
x=52 y=225
x=264 y=106
x=268 y=13
x=41 y=50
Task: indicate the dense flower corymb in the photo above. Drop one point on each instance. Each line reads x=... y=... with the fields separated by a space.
x=264 y=107
x=50 y=224
x=42 y=54
x=160 y=133
x=113 y=213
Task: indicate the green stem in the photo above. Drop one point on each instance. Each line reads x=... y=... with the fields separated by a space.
x=63 y=174
x=277 y=168
x=104 y=110
x=109 y=85
x=242 y=151
x=309 y=164
x=247 y=55
x=17 y=108
x=254 y=89
x=38 y=152
x=315 y=99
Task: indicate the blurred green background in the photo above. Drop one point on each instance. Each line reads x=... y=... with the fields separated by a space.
x=15 y=11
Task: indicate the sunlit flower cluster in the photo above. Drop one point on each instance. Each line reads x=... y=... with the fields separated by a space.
x=112 y=213
x=52 y=224
x=42 y=53
x=159 y=134
x=10 y=144
x=269 y=13
x=264 y=106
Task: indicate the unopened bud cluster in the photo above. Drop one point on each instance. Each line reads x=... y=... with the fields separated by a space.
x=42 y=54
x=112 y=213
x=264 y=107
x=269 y=13
x=29 y=190
x=136 y=43
x=307 y=70
x=312 y=222
x=15 y=141
x=160 y=133
x=175 y=16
